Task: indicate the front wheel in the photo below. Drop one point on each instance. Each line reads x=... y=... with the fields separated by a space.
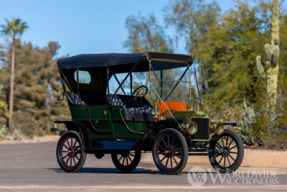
x=170 y=151
x=228 y=152
x=70 y=152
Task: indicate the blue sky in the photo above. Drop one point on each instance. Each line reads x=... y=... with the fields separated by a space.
x=86 y=26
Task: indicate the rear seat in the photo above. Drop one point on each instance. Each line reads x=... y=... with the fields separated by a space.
x=86 y=99
x=135 y=110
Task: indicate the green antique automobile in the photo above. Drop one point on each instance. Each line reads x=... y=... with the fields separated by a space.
x=154 y=108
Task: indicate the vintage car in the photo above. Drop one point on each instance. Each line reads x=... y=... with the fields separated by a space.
x=151 y=110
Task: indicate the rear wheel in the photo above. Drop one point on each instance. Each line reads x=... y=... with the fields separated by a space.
x=126 y=161
x=228 y=152
x=70 y=152
x=170 y=151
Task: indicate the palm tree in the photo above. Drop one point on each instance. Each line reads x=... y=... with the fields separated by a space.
x=14 y=28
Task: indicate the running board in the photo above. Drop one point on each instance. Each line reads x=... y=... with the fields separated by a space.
x=110 y=146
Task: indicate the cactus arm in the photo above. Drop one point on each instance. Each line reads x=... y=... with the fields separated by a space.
x=276 y=53
x=259 y=65
x=268 y=51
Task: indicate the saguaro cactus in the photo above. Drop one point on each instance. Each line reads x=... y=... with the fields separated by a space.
x=272 y=54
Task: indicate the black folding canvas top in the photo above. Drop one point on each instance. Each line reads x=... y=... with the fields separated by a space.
x=114 y=59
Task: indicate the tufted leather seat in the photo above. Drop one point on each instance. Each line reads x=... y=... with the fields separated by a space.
x=135 y=110
x=86 y=98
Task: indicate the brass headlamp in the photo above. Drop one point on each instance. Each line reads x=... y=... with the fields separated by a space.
x=217 y=128
x=189 y=127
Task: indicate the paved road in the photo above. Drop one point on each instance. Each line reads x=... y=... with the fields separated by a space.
x=33 y=167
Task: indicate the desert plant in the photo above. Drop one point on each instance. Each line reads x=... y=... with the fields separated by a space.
x=270 y=74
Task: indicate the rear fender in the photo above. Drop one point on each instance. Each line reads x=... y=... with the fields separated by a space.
x=82 y=129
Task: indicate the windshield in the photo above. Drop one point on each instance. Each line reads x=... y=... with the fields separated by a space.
x=171 y=84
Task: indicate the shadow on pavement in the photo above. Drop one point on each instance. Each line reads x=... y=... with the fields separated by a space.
x=108 y=170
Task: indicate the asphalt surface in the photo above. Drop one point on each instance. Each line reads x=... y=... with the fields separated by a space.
x=33 y=167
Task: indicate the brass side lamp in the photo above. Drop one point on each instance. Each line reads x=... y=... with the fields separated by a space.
x=155 y=111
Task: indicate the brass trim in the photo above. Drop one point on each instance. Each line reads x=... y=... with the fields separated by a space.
x=138 y=132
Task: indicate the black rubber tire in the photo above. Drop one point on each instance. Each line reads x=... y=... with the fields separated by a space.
x=126 y=168
x=180 y=166
x=240 y=153
x=82 y=159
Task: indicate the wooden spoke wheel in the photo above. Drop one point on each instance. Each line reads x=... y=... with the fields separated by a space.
x=170 y=151
x=126 y=161
x=70 y=154
x=227 y=153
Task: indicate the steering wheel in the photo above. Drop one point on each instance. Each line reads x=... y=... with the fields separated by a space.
x=140 y=91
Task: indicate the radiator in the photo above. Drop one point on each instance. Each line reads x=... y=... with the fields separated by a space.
x=202 y=129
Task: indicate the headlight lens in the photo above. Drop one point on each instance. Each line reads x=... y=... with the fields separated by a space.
x=217 y=128
x=189 y=127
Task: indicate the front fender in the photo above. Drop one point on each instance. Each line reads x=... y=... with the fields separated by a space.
x=145 y=142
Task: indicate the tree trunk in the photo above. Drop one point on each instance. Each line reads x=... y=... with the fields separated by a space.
x=12 y=88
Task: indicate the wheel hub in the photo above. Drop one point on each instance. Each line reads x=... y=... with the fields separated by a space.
x=166 y=152
x=225 y=151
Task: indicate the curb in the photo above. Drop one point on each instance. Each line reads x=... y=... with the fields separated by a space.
x=253 y=170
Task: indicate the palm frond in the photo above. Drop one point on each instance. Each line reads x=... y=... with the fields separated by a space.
x=14 y=27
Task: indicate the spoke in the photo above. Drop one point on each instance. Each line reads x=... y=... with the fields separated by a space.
x=65 y=156
x=64 y=151
x=130 y=158
x=176 y=145
x=162 y=147
x=222 y=142
x=174 y=160
x=166 y=162
x=230 y=142
x=75 y=144
x=233 y=152
x=168 y=141
x=179 y=156
x=164 y=143
x=163 y=159
x=232 y=147
x=71 y=162
x=232 y=157
x=67 y=160
x=68 y=143
x=123 y=161
x=224 y=161
x=72 y=141
x=219 y=146
x=77 y=157
x=121 y=158
x=76 y=147
x=132 y=154
x=74 y=160
x=177 y=150
x=66 y=146
x=228 y=160
x=127 y=161
x=220 y=160
x=171 y=162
